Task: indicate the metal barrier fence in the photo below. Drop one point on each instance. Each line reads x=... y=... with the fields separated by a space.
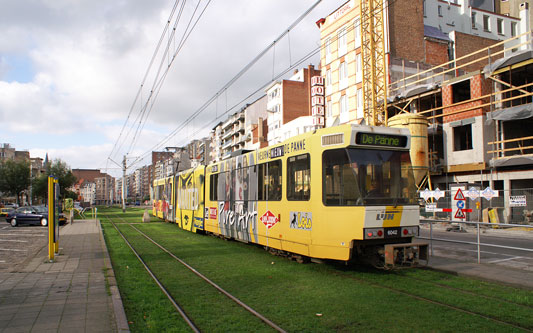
x=478 y=228
x=509 y=206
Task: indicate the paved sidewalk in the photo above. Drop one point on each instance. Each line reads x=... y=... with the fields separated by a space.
x=488 y=272
x=67 y=295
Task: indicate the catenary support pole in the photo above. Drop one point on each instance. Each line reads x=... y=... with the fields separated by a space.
x=124 y=185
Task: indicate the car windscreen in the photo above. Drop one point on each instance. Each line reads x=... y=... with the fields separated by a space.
x=41 y=209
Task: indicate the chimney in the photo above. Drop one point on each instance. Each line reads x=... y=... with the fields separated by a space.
x=525 y=26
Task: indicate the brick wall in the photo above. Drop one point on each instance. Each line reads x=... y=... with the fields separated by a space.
x=297 y=96
x=436 y=52
x=466 y=44
x=406 y=32
x=87 y=174
x=479 y=86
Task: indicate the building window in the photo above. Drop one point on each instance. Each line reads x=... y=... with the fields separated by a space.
x=474 y=20
x=439 y=10
x=328 y=50
x=328 y=81
x=344 y=104
x=343 y=75
x=360 y=104
x=461 y=91
x=357 y=32
x=424 y=7
x=342 y=42
x=343 y=109
x=513 y=29
x=462 y=137
x=486 y=23
x=499 y=26
x=329 y=111
x=299 y=178
x=358 y=68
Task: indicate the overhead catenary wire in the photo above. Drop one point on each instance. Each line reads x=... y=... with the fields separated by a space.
x=155 y=82
x=159 y=79
x=180 y=46
x=139 y=91
x=299 y=62
x=234 y=79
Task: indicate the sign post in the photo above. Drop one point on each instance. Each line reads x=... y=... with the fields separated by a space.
x=53 y=245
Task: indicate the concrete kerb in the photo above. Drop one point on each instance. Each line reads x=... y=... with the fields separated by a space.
x=118 y=307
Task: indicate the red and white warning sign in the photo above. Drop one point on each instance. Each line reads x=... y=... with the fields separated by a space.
x=459 y=195
x=458 y=202
x=269 y=219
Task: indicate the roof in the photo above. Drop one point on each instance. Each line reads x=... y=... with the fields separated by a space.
x=510 y=60
x=433 y=32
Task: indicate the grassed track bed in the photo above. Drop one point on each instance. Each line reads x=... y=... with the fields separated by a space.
x=298 y=297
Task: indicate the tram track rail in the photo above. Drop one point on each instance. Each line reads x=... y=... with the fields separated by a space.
x=438 y=297
x=178 y=308
x=468 y=292
x=440 y=303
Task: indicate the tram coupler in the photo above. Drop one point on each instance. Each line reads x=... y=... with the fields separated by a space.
x=405 y=254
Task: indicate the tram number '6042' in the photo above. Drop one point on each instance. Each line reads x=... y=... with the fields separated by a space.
x=301 y=220
x=392 y=232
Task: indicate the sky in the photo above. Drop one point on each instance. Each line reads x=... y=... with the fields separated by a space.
x=70 y=71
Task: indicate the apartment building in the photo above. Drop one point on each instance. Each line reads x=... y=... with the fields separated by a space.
x=465 y=67
x=94 y=186
x=87 y=192
x=418 y=35
x=141 y=182
x=243 y=130
x=104 y=189
x=289 y=100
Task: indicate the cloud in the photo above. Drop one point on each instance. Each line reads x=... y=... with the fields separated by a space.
x=88 y=59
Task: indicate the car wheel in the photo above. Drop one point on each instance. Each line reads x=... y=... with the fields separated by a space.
x=44 y=221
x=13 y=222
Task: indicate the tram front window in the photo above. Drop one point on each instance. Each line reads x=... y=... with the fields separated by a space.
x=359 y=177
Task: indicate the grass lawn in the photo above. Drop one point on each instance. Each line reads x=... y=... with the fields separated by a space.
x=297 y=297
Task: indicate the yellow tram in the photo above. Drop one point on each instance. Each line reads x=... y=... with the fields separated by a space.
x=341 y=193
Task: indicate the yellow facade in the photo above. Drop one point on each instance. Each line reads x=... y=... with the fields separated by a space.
x=345 y=17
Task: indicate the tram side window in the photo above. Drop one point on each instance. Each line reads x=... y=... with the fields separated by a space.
x=221 y=186
x=213 y=188
x=298 y=178
x=340 y=185
x=269 y=177
x=160 y=191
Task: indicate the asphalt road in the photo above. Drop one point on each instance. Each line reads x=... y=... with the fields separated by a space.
x=514 y=258
x=20 y=244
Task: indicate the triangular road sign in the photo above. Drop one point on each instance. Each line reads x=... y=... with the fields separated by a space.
x=459 y=195
x=460 y=214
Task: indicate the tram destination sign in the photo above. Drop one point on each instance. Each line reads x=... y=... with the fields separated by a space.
x=382 y=140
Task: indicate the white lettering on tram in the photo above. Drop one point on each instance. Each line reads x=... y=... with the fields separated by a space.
x=240 y=218
x=188 y=198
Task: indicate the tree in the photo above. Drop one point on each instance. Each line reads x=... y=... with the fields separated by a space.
x=61 y=171
x=14 y=177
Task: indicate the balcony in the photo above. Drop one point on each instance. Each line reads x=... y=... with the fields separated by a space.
x=227 y=134
x=227 y=123
x=228 y=144
x=226 y=155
